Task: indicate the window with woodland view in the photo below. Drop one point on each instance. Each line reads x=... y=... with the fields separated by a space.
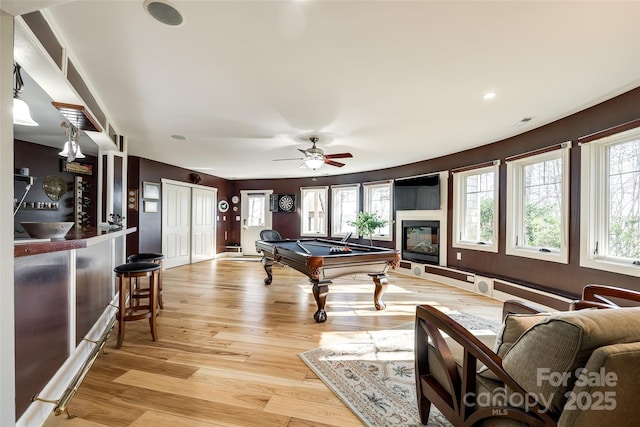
x=610 y=207
x=476 y=208
x=313 y=208
x=344 y=209
x=538 y=205
x=377 y=199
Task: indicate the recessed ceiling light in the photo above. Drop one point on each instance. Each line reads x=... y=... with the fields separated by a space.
x=489 y=95
x=179 y=137
x=163 y=12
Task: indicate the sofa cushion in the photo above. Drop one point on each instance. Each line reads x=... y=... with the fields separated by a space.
x=545 y=357
x=608 y=387
x=513 y=326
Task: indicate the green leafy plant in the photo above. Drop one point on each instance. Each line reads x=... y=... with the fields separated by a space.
x=367 y=223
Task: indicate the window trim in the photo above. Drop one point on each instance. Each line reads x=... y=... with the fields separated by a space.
x=592 y=210
x=459 y=207
x=367 y=206
x=514 y=200
x=334 y=190
x=324 y=189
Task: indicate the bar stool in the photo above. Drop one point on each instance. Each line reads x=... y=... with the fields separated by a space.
x=128 y=308
x=151 y=257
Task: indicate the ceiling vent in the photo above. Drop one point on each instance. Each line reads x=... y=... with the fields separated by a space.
x=78 y=116
x=524 y=121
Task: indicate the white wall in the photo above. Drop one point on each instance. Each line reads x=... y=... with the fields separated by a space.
x=7 y=338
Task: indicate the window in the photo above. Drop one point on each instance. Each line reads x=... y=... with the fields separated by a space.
x=610 y=203
x=344 y=208
x=538 y=205
x=475 y=208
x=378 y=199
x=314 y=211
x=256 y=208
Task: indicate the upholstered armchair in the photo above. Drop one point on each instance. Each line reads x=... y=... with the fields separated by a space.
x=575 y=368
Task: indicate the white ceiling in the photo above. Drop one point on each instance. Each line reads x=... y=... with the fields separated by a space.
x=392 y=82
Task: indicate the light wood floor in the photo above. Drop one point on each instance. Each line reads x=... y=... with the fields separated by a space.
x=228 y=345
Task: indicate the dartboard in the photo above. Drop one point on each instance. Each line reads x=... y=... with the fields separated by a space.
x=286 y=203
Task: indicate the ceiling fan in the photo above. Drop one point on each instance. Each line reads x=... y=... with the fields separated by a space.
x=314 y=157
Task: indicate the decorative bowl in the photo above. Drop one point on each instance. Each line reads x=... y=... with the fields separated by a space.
x=47 y=230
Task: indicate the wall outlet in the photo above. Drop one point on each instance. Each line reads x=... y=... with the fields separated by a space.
x=458 y=256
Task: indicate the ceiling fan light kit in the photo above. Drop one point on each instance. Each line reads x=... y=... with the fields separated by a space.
x=314 y=157
x=314 y=162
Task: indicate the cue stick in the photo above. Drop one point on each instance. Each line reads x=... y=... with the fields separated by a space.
x=303 y=248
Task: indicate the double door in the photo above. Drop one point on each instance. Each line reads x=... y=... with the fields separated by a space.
x=188 y=223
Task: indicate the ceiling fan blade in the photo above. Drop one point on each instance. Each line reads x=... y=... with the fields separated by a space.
x=332 y=163
x=293 y=158
x=338 y=156
x=302 y=151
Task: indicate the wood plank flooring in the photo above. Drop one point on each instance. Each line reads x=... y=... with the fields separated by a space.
x=228 y=345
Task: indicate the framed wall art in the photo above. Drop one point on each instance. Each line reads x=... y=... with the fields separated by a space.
x=150 y=206
x=150 y=190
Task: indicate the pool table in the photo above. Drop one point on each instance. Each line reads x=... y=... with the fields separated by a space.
x=316 y=259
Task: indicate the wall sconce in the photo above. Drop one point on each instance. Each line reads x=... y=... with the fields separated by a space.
x=71 y=149
x=21 y=112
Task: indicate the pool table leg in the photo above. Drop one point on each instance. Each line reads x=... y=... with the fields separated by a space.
x=320 y=291
x=267 y=264
x=381 y=283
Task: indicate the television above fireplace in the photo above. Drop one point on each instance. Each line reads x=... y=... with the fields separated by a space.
x=419 y=193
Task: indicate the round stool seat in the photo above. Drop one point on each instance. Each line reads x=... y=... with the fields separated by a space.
x=136 y=267
x=151 y=256
x=156 y=258
x=130 y=295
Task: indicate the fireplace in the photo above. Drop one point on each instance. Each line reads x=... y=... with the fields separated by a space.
x=420 y=241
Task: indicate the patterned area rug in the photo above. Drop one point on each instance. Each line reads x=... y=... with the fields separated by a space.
x=374 y=376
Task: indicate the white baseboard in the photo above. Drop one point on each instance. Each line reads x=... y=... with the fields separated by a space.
x=472 y=281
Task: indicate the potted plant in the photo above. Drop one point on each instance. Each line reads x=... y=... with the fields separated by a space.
x=367 y=223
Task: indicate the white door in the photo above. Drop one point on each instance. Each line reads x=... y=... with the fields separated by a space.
x=256 y=217
x=203 y=213
x=176 y=225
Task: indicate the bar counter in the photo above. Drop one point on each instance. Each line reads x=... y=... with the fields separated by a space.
x=75 y=239
x=64 y=291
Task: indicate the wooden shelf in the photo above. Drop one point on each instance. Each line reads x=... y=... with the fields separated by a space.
x=24 y=178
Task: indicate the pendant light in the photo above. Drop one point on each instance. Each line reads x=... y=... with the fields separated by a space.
x=71 y=149
x=21 y=113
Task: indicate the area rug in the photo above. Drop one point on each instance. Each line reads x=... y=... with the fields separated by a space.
x=374 y=376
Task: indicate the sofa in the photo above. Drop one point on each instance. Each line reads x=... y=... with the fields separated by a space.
x=573 y=368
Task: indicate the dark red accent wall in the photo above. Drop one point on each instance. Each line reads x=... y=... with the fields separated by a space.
x=43 y=161
x=148 y=238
